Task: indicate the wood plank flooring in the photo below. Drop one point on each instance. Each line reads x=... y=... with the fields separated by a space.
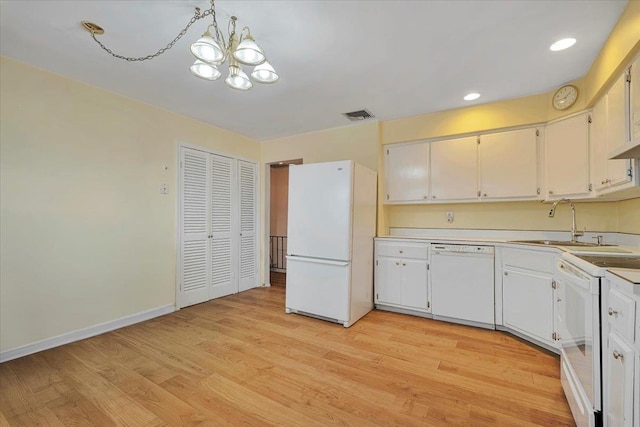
x=240 y=360
x=277 y=279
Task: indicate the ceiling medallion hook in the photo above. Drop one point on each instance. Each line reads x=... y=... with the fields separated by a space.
x=211 y=51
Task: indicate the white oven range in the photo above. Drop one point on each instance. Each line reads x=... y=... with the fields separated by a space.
x=580 y=319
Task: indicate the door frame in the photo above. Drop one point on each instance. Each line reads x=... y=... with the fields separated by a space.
x=266 y=249
x=178 y=193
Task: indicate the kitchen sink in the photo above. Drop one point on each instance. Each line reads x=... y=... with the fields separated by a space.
x=557 y=243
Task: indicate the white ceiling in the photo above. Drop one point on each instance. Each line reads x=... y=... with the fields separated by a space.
x=395 y=58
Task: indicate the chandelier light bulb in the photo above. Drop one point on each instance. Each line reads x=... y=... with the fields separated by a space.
x=205 y=70
x=248 y=52
x=238 y=79
x=264 y=73
x=208 y=50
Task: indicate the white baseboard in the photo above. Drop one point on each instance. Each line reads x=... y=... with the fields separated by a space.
x=83 y=333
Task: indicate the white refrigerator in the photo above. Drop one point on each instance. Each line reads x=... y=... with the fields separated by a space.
x=331 y=226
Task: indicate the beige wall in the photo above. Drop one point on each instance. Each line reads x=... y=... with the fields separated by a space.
x=86 y=235
x=358 y=142
x=279 y=201
x=511 y=215
x=629 y=216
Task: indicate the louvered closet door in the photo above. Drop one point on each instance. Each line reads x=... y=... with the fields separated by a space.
x=248 y=223
x=194 y=260
x=223 y=245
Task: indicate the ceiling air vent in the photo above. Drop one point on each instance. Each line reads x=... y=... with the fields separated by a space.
x=355 y=116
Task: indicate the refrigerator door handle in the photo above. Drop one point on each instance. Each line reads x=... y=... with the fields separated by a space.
x=317 y=260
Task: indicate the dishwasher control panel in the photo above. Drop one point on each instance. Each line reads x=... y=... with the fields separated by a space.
x=467 y=249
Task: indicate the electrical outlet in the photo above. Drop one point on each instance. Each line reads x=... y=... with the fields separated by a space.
x=449 y=217
x=163 y=189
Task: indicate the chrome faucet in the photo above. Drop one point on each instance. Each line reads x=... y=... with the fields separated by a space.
x=574 y=232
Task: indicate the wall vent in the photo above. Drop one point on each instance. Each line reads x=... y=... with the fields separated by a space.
x=356 y=116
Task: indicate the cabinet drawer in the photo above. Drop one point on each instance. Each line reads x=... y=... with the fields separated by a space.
x=529 y=260
x=621 y=313
x=402 y=250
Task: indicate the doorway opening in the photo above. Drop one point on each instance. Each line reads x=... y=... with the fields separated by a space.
x=278 y=214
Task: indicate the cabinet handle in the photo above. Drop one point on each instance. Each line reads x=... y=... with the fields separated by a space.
x=612 y=312
x=404 y=264
x=425 y=196
x=554 y=285
x=506 y=273
x=400 y=251
x=397 y=263
x=433 y=197
x=550 y=191
x=617 y=355
x=484 y=195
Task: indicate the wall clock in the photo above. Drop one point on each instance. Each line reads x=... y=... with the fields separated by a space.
x=565 y=97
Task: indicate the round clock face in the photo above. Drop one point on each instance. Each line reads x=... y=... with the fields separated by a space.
x=565 y=97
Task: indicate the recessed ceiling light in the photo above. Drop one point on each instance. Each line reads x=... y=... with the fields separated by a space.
x=562 y=44
x=471 y=96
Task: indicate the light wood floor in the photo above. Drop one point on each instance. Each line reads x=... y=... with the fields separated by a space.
x=277 y=278
x=240 y=360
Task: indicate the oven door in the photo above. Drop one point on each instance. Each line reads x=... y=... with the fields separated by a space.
x=579 y=326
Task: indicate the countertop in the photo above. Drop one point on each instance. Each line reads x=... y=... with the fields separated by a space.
x=628 y=274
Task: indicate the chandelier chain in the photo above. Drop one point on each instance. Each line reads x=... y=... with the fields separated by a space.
x=197 y=16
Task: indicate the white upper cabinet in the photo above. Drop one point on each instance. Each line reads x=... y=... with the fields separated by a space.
x=509 y=164
x=598 y=138
x=567 y=158
x=609 y=130
x=635 y=100
x=454 y=169
x=406 y=172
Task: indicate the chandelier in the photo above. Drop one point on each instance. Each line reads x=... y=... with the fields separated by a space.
x=213 y=50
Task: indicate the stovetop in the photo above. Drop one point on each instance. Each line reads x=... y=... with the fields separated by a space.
x=612 y=261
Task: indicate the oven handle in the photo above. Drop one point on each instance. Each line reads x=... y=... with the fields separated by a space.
x=571 y=278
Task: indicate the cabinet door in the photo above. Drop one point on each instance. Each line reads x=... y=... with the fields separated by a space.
x=598 y=142
x=414 y=283
x=402 y=282
x=635 y=99
x=454 y=169
x=388 y=281
x=406 y=172
x=567 y=157
x=527 y=301
x=617 y=131
x=618 y=399
x=509 y=164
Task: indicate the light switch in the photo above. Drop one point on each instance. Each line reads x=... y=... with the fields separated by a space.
x=163 y=189
x=449 y=217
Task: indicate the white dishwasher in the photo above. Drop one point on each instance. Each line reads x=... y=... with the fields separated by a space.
x=462 y=284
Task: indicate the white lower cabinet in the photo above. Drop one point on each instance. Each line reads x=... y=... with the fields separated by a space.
x=401 y=279
x=621 y=353
x=528 y=294
x=528 y=304
x=618 y=400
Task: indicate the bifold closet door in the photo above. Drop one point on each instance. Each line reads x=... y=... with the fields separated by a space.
x=195 y=245
x=248 y=224
x=223 y=245
x=218 y=211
